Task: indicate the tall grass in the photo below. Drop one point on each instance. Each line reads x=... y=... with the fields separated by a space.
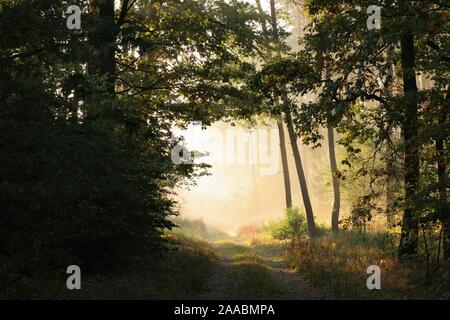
x=339 y=263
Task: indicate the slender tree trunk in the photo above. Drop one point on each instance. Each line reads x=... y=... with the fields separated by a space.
x=409 y=234
x=300 y=173
x=284 y=164
x=293 y=139
x=391 y=174
x=273 y=15
x=262 y=20
x=335 y=179
x=103 y=38
x=442 y=176
x=390 y=187
x=284 y=160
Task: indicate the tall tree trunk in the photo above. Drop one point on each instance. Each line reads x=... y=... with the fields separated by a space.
x=284 y=160
x=409 y=234
x=273 y=15
x=293 y=139
x=390 y=187
x=442 y=176
x=299 y=168
x=103 y=38
x=391 y=172
x=335 y=179
x=262 y=20
x=284 y=165
x=301 y=177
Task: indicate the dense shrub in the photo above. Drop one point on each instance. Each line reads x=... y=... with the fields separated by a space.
x=291 y=226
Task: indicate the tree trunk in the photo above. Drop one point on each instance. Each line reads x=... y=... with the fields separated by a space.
x=300 y=173
x=391 y=183
x=442 y=177
x=391 y=172
x=273 y=15
x=284 y=164
x=409 y=234
x=293 y=139
x=262 y=20
x=103 y=38
x=335 y=179
x=284 y=161
x=390 y=187
x=445 y=219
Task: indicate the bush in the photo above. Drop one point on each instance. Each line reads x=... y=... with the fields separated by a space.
x=93 y=193
x=291 y=226
x=78 y=195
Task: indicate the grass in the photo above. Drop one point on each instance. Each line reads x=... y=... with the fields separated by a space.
x=252 y=279
x=178 y=274
x=255 y=281
x=340 y=263
x=335 y=263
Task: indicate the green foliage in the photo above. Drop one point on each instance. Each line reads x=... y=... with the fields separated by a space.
x=360 y=215
x=86 y=171
x=86 y=121
x=292 y=225
x=359 y=83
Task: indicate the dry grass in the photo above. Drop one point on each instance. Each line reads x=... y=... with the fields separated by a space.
x=340 y=264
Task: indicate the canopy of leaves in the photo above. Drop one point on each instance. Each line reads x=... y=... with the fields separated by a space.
x=87 y=177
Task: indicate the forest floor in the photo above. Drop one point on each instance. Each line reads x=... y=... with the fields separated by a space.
x=224 y=269
x=245 y=271
x=233 y=269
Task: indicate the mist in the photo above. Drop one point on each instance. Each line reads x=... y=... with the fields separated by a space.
x=241 y=188
x=247 y=192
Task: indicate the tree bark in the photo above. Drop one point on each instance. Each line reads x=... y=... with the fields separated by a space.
x=284 y=165
x=390 y=186
x=273 y=15
x=391 y=172
x=409 y=234
x=442 y=179
x=335 y=180
x=300 y=173
x=284 y=160
x=293 y=139
x=262 y=20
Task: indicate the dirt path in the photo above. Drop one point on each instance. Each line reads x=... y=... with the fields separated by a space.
x=255 y=272
x=220 y=286
x=292 y=283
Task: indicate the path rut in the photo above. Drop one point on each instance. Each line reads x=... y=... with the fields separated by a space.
x=225 y=281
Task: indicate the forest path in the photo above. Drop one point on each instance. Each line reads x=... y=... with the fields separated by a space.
x=255 y=272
